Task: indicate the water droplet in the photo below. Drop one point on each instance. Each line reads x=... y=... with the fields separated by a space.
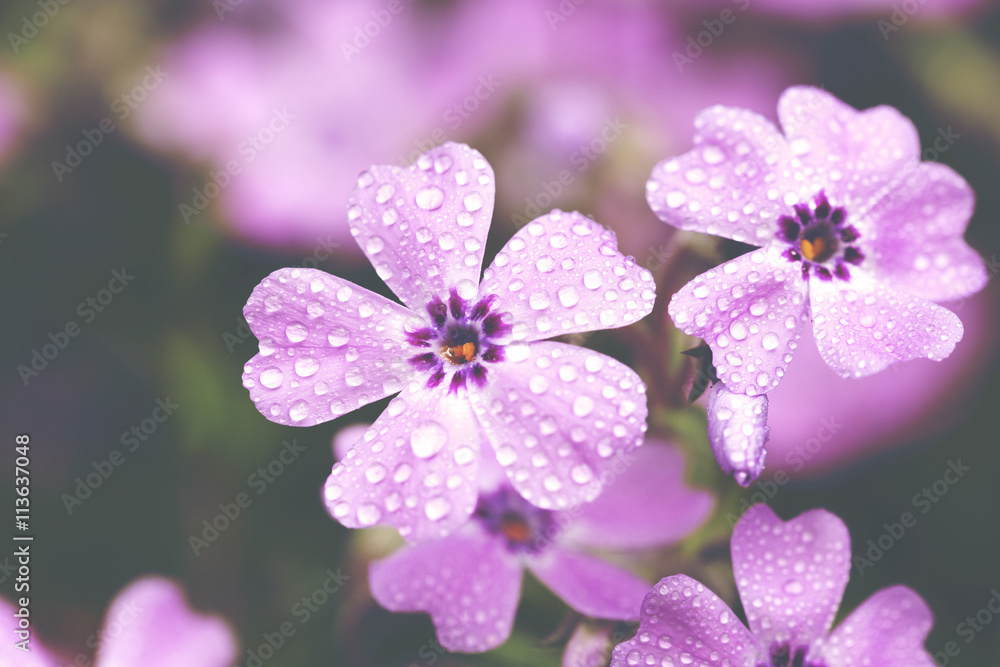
x=473 y=202
x=581 y=473
x=354 y=377
x=306 y=366
x=375 y=245
x=545 y=264
x=299 y=410
x=539 y=301
x=568 y=296
x=437 y=508
x=428 y=439
x=384 y=193
x=538 y=384
x=271 y=378
x=338 y=336
x=369 y=514
x=769 y=341
x=430 y=198
x=738 y=330
x=583 y=406
x=296 y=332
x=592 y=279
x=758 y=307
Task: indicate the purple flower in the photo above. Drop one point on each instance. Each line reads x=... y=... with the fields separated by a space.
x=149 y=623
x=466 y=356
x=855 y=233
x=791 y=577
x=737 y=432
x=469 y=582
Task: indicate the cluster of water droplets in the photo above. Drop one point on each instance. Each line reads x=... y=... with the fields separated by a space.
x=750 y=311
x=557 y=418
x=408 y=467
x=738 y=431
x=665 y=638
x=424 y=227
x=563 y=274
x=326 y=347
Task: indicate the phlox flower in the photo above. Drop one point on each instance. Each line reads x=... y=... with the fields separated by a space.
x=791 y=577
x=149 y=623
x=467 y=357
x=856 y=234
x=470 y=581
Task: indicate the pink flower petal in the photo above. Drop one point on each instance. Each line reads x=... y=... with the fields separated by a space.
x=150 y=624
x=918 y=246
x=327 y=347
x=888 y=629
x=414 y=469
x=590 y=585
x=684 y=623
x=590 y=646
x=866 y=150
x=721 y=187
x=750 y=311
x=562 y=273
x=863 y=327
x=647 y=504
x=36 y=655
x=424 y=227
x=559 y=417
x=738 y=432
x=791 y=574
x=468 y=583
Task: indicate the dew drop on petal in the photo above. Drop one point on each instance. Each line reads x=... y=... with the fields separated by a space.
x=306 y=366
x=296 y=332
x=271 y=378
x=430 y=197
x=428 y=439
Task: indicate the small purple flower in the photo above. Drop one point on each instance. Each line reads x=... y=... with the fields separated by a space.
x=149 y=623
x=855 y=231
x=466 y=356
x=791 y=577
x=738 y=432
x=470 y=581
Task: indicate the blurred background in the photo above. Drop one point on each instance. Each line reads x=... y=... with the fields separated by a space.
x=159 y=158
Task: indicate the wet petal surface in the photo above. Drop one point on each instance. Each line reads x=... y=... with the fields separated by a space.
x=327 y=347
x=414 y=469
x=558 y=417
x=738 y=432
x=791 y=574
x=864 y=327
x=424 y=227
x=467 y=583
x=562 y=273
x=750 y=311
x=684 y=623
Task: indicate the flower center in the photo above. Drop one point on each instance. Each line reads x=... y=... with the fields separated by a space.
x=819 y=237
x=783 y=655
x=461 y=339
x=526 y=528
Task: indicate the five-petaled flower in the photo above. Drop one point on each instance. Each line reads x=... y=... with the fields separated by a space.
x=467 y=356
x=855 y=232
x=791 y=577
x=470 y=581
